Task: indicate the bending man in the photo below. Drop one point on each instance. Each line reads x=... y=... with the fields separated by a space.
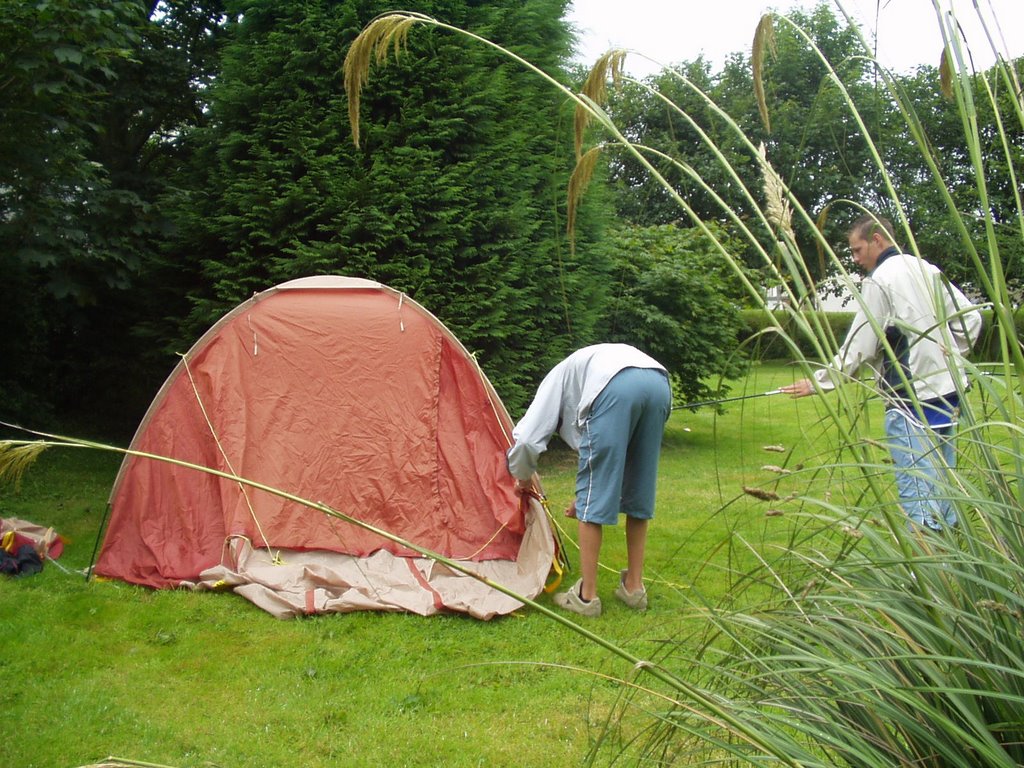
x=609 y=403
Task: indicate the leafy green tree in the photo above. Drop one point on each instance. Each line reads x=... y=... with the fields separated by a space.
x=92 y=98
x=930 y=219
x=57 y=62
x=159 y=94
x=454 y=195
x=812 y=141
x=651 y=116
x=57 y=69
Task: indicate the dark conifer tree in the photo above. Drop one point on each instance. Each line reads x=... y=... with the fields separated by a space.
x=455 y=194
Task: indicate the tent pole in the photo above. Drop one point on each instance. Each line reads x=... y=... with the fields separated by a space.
x=725 y=400
x=96 y=546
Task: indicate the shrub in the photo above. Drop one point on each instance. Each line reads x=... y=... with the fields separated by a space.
x=675 y=299
x=760 y=334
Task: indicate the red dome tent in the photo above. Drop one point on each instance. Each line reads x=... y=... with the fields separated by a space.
x=341 y=391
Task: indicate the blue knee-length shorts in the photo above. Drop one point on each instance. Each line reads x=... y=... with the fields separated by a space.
x=621 y=444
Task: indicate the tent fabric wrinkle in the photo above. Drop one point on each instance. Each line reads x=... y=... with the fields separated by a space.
x=339 y=391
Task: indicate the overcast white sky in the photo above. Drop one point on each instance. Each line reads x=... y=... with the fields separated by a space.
x=671 y=31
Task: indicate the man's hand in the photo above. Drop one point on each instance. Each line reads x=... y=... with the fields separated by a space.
x=801 y=388
x=524 y=486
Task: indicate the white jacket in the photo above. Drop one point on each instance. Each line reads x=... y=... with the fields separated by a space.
x=564 y=398
x=929 y=322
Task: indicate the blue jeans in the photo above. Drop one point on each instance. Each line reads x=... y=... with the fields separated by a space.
x=922 y=455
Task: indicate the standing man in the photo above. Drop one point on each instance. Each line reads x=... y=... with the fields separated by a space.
x=609 y=402
x=930 y=326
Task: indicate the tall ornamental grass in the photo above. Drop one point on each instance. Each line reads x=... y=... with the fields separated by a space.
x=859 y=642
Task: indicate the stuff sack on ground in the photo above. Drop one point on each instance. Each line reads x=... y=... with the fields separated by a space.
x=23 y=545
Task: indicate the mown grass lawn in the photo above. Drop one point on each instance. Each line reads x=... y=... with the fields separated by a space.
x=91 y=669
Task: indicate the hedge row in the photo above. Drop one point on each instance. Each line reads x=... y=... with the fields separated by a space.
x=764 y=344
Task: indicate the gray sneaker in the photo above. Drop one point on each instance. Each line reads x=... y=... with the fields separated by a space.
x=635 y=600
x=571 y=601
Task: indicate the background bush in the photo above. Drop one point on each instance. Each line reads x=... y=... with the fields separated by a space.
x=757 y=333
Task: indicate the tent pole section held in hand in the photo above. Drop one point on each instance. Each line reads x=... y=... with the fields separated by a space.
x=725 y=400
